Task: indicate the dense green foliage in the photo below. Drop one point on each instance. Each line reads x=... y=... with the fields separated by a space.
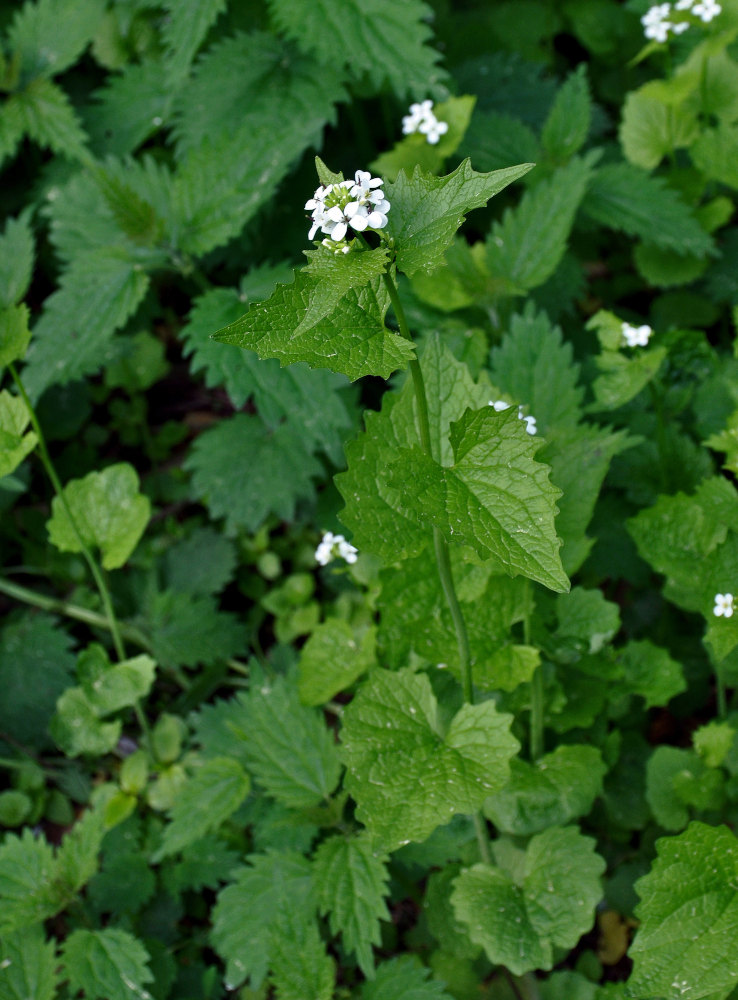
x=495 y=756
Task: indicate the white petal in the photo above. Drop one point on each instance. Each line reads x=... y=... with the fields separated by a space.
x=335 y=214
x=339 y=231
x=359 y=223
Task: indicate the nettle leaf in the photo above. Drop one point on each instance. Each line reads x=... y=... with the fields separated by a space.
x=50 y=35
x=212 y=794
x=183 y=31
x=244 y=472
x=16 y=260
x=567 y=126
x=334 y=656
x=408 y=776
x=97 y=294
x=202 y=563
x=525 y=248
x=129 y=108
x=549 y=904
x=307 y=321
x=496 y=140
x=47 y=116
x=351 y=882
x=300 y=966
x=186 y=630
x=27 y=965
x=110 y=964
x=627 y=198
x=109 y=513
x=557 y=788
x=403 y=978
x=385 y=41
x=427 y=210
x=686 y=940
x=15 y=441
x=535 y=367
x=246 y=917
x=496 y=498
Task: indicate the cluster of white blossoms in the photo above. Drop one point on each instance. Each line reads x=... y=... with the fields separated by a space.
x=359 y=203
x=421 y=119
x=657 y=21
x=500 y=404
x=723 y=605
x=636 y=336
x=335 y=547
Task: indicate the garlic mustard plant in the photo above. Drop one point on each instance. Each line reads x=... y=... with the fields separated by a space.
x=636 y=336
x=422 y=119
x=723 y=606
x=359 y=204
x=335 y=547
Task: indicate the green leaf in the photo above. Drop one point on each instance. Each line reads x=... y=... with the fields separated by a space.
x=667 y=268
x=525 y=248
x=202 y=563
x=403 y=978
x=407 y=775
x=27 y=966
x=534 y=366
x=244 y=472
x=426 y=211
x=15 y=442
x=109 y=513
x=587 y=618
x=184 y=30
x=650 y=672
x=686 y=941
x=110 y=964
x=14 y=333
x=287 y=746
x=669 y=771
x=16 y=260
x=49 y=36
x=207 y=799
x=715 y=152
x=77 y=858
x=77 y=729
x=496 y=140
x=12 y=127
x=133 y=213
x=129 y=108
x=96 y=295
x=713 y=742
x=621 y=378
x=185 y=631
x=26 y=869
x=567 y=126
x=247 y=914
x=627 y=198
x=415 y=150
x=50 y=120
x=334 y=656
x=557 y=788
x=518 y=921
x=306 y=321
x=36 y=666
x=652 y=127
x=496 y=498
x=300 y=966
x=204 y=864
x=351 y=882
x=110 y=687
x=385 y=41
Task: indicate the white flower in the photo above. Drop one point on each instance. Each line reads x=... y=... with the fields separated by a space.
x=357 y=203
x=680 y=28
x=433 y=130
x=658 y=32
x=499 y=405
x=723 y=605
x=706 y=10
x=421 y=119
x=335 y=546
x=636 y=336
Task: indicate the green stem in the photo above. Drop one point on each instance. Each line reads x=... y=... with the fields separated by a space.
x=59 y=489
x=440 y=545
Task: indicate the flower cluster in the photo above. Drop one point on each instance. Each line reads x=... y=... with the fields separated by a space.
x=358 y=203
x=658 y=23
x=421 y=119
x=530 y=422
x=636 y=336
x=335 y=546
x=723 y=605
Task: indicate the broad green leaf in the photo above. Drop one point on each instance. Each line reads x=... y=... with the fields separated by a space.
x=621 y=378
x=133 y=213
x=567 y=126
x=247 y=913
x=403 y=978
x=109 y=964
x=16 y=261
x=205 y=864
x=36 y=666
x=426 y=211
x=27 y=966
x=244 y=472
x=77 y=729
x=677 y=779
x=406 y=774
x=351 y=882
x=496 y=140
x=129 y=107
x=715 y=152
x=184 y=30
x=439 y=912
x=109 y=513
x=415 y=150
x=185 y=631
x=686 y=941
x=667 y=268
x=50 y=35
x=110 y=687
x=334 y=656
x=557 y=788
x=651 y=128
x=50 y=120
x=627 y=198
x=202 y=563
x=551 y=903
x=287 y=746
x=15 y=441
x=27 y=867
x=496 y=498
x=714 y=741
x=587 y=618
x=525 y=248
x=650 y=672
x=96 y=295
x=351 y=338
x=461 y=279
x=300 y=966
x=213 y=793
x=535 y=367
x=383 y=40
